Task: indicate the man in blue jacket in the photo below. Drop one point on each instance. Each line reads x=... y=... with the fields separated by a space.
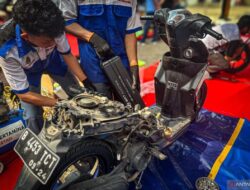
x=34 y=43
x=104 y=28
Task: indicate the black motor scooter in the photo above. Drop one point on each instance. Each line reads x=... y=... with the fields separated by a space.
x=91 y=142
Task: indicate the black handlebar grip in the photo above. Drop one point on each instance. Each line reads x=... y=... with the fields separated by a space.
x=213 y=33
x=147 y=17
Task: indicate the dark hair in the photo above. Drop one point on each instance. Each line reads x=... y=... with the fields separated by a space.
x=39 y=17
x=244 y=22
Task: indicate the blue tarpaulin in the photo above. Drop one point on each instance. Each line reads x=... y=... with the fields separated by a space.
x=215 y=146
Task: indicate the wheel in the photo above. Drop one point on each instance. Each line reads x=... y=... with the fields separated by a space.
x=88 y=159
x=235 y=68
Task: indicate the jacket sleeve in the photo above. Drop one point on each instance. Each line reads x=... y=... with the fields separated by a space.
x=69 y=10
x=15 y=75
x=134 y=22
x=62 y=44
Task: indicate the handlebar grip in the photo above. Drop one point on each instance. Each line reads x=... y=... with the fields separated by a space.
x=147 y=17
x=213 y=33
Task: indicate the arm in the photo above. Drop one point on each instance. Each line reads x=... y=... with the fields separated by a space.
x=69 y=9
x=37 y=99
x=78 y=31
x=74 y=66
x=101 y=47
x=64 y=48
x=131 y=49
x=133 y=26
x=70 y=14
x=18 y=82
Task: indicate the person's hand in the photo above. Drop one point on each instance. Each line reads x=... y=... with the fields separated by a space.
x=61 y=103
x=101 y=47
x=75 y=90
x=89 y=85
x=217 y=63
x=134 y=71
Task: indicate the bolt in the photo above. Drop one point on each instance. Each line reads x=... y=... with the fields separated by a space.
x=188 y=53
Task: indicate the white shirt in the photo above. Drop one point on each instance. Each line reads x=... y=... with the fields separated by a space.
x=13 y=66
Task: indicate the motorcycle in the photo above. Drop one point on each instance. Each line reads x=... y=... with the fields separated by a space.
x=11 y=125
x=91 y=142
x=231 y=55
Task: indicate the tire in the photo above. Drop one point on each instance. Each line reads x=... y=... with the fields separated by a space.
x=242 y=66
x=238 y=69
x=88 y=148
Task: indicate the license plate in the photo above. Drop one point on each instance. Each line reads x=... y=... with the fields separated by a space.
x=37 y=157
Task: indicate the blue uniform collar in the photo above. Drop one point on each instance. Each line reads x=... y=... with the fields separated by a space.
x=23 y=47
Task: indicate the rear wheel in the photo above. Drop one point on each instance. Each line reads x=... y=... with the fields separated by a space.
x=85 y=160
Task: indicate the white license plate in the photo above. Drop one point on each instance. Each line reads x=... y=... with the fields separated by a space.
x=37 y=157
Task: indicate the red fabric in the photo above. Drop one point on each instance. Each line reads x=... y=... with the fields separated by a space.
x=148 y=93
x=73 y=44
x=13 y=166
x=229 y=94
x=147 y=83
x=243 y=76
x=147 y=73
x=8 y=157
x=228 y=98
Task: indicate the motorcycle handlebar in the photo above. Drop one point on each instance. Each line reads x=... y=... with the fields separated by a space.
x=213 y=33
x=206 y=30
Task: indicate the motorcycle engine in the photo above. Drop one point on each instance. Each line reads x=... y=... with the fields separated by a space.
x=4 y=107
x=87 y=115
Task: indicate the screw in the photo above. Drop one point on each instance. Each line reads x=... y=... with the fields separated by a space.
x=188 y=53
